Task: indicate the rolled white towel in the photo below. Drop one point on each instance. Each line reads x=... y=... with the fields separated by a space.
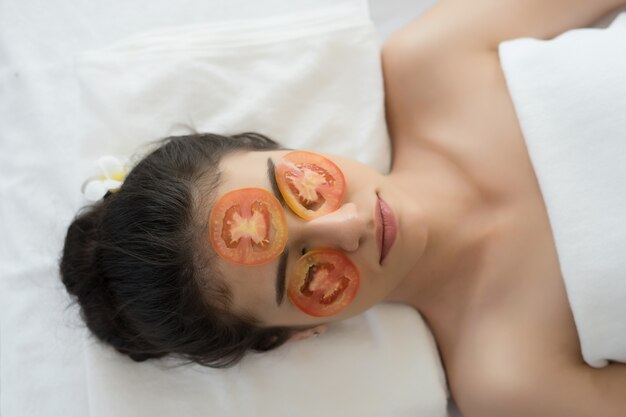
x=570 y=98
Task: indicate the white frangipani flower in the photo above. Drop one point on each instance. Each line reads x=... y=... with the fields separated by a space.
x=112 y=174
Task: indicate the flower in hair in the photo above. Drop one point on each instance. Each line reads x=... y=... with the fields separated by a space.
x=110 y=179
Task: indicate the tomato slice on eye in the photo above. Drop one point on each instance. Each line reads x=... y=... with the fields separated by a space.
x=311 y=184
x=248 y=227
x=323 y=283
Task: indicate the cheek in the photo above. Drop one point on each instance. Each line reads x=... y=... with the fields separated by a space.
x=372 y=292
x=361 y=184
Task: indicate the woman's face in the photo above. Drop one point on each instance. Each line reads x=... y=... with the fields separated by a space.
x=262 y=291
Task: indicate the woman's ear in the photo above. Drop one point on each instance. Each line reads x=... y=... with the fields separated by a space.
x=305 y=334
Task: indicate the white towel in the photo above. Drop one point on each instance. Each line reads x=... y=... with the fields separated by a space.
x=311 y=81
x=570 y=98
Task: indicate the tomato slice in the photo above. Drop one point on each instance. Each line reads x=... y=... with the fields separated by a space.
x=311 y=184
x=248 y=227
x=323 y=283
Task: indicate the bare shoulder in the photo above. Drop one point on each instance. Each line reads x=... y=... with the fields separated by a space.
x=417 y=54
x=428 y=81
x=445 y=61
x=436 y=77
x=506 y=386
x=450 y=97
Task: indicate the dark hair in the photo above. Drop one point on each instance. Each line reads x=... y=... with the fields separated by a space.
x=134 y=259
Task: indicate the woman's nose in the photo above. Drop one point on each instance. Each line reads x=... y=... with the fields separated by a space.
x=341 y=229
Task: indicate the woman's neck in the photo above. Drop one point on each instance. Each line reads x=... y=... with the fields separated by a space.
x=459 y=226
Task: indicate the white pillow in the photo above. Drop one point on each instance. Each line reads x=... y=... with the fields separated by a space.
x=312 y=82
x=309 y=81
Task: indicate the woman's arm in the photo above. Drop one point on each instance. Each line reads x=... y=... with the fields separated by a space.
x=610 y=384
x=486 y=23
x=579 y=391
x=446 y=58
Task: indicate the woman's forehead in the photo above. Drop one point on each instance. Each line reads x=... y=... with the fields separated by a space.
x=248 y=166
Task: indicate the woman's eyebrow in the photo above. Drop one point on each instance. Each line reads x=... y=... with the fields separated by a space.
x=272 y=179
x=280 y=277
x=282 y=264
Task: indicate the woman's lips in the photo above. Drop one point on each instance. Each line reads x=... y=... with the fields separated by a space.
x=378 y=221
x=386 y=228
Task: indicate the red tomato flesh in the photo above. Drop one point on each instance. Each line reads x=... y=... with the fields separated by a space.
x=323 y=283
x=311 y=184
x=248 y=227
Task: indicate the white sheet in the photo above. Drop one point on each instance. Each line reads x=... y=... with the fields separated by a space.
x=42 y=360
x=570 y=98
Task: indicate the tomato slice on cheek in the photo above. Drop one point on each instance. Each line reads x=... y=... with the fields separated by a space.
x=311 y=184
x=324 y=282
x=248 y=227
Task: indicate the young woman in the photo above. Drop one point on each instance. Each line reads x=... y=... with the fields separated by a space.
x=458 y=230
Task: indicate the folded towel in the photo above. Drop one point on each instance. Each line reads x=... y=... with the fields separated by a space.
x=309 y=82
x=570 y=98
